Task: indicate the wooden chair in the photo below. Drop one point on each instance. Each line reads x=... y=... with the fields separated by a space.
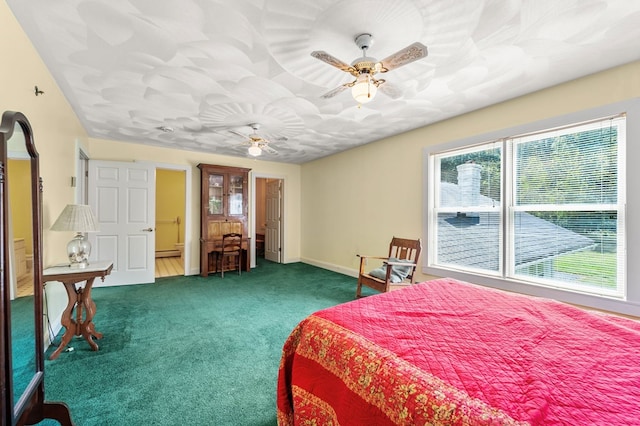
x=231 y=248
x=395 y=273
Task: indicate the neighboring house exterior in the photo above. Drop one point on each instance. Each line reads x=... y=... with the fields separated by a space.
x=470 y=239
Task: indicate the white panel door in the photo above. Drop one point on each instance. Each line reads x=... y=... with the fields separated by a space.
x=272 y=246
x=123 y=197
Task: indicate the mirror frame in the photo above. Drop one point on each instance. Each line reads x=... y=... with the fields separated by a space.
x=30 y=407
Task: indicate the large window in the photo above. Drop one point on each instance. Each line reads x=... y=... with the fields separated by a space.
x=543 y=208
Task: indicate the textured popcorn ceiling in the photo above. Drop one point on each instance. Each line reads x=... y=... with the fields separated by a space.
x=204 y=67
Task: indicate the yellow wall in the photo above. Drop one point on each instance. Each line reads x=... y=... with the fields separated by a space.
x=354 y=202
x=56 y=129
x=19 y=173
x=56 y=132
x=375 y=191
x=120 y=151
x=170 y=202
x=335 y=207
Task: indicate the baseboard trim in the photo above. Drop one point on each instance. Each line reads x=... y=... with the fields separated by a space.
x=324 y=265
x=168 y=253
x=331 y=267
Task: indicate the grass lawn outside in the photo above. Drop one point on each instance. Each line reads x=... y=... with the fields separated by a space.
x=594 y=268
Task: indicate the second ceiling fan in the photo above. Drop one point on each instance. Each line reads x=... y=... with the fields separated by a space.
x=364 y=69
x=257 y=144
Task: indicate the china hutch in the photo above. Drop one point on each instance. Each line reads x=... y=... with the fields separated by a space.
x=224 y=200
x=21 y=318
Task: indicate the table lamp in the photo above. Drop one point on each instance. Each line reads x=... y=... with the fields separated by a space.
x=80 y=219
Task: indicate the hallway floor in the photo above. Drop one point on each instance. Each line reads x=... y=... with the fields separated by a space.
x=169 y=266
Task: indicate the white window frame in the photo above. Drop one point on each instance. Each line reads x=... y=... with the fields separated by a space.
x=620 y=291
x=630 y=303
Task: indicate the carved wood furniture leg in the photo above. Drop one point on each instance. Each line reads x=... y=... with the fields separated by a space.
x=87 y=328
x=67 y=322
x=55 y=410
x=58 y=411
x=92 y=304
x=80 y=299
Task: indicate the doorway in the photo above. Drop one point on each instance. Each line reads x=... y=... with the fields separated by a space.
x=130 y=218
x=268 y=218
x=170 y=222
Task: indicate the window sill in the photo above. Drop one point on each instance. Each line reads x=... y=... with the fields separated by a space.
x=614 y=305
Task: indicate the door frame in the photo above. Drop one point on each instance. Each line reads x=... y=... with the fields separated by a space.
x=187 y=209
x=252 y=213
x=81 y=179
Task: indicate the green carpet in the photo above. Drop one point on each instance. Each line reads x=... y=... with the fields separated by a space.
x=190 y=350
x=22 y=344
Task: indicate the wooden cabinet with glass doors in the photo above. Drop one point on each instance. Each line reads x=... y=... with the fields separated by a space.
x=224 y=210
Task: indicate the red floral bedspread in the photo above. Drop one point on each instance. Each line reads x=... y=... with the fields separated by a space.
x=451 y=353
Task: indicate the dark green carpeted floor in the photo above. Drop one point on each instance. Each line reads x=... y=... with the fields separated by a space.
x=191 y=350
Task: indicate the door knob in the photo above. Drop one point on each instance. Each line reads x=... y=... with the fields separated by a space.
x=148 y=230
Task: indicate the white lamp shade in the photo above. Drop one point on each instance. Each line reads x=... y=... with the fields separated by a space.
x=76 y=218
x=255 y=150
x=364 y=90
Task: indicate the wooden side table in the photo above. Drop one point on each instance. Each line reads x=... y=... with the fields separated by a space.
x=79 y=297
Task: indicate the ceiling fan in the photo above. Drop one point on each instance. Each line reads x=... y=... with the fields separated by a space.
x=257 y=144
x=365 y=86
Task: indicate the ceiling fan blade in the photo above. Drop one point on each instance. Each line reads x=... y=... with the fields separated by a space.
x=335 y=91
x=266 y=148
x=242 y=135
x=405 y=56
x=391 y=90
x=332 y=60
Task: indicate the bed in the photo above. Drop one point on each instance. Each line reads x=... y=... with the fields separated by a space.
x=449 y=352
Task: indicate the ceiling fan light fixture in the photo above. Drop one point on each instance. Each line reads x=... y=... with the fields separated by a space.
x=364 y=90
x=255 y=150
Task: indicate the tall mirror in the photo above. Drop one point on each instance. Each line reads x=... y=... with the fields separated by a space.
x=21 y=294
x=20 y=239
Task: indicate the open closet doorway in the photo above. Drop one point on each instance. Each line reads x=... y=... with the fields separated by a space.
x=170 y=222
x=269 y=219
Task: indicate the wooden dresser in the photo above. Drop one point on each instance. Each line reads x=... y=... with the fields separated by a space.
x=224 y=200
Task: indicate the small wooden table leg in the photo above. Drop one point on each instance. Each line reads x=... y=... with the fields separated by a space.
x=70 y=326
x=86 y=326
x=80 y=299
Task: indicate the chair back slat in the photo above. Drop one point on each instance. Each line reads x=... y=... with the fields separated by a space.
x=403 y=248
x=406 y=249
x=231 y=248
x=399 y=248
